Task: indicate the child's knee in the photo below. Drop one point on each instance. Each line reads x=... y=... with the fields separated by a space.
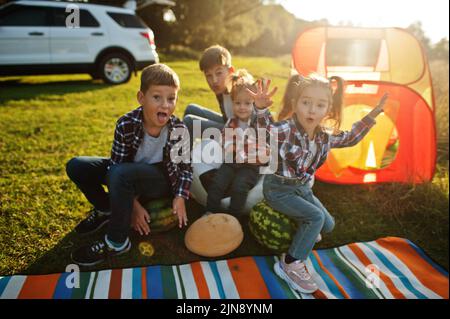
x=72 y=168
x=240 y=185
x=317 y=216
x=192 y=109
x=328 y=225
x=189 y=109
x=218 y=186
x=117 y=174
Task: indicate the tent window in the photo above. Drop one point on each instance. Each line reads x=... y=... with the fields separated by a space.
x=353 y=52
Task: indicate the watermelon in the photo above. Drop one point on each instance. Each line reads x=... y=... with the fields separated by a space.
x=161 y=215
x=271 y=228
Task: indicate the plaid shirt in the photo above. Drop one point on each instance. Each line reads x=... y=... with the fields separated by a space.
x=259 y=119
x=128 y=136
x=293 y=146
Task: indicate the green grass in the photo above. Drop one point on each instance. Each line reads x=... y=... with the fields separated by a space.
x=46 y=120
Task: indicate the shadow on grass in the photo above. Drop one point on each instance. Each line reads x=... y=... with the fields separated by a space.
x=168 y=246
x=14 y=89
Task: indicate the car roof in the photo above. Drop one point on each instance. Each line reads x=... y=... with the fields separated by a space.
x=82 y=5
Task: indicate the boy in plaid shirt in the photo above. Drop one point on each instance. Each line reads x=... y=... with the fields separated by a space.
x=143 y=166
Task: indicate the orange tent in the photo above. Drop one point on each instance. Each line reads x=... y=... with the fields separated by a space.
x=401 y=147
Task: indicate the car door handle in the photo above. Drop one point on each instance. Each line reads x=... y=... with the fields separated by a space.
x=35 y=33
x=97 y=34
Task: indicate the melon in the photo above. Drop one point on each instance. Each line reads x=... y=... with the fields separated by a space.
x=272 y=229
x=214 y=235
x=161 y=215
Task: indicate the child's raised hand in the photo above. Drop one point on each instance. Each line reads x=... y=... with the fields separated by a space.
x=180 y=209
x=262 y=98
x=380 y=106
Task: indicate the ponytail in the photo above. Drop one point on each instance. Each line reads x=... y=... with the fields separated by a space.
x=239 y=80
x=337 y=101
x=289 y=96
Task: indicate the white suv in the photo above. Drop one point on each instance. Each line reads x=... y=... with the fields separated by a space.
x=109 y=42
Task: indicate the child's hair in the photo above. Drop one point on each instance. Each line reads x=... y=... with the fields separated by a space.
x=297 y=84
x=214 y=55
x=239 y=81
x=158 y=74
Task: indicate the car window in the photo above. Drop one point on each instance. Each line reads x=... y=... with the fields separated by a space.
x=87 y=20
x=127 y=20
x=23 y=16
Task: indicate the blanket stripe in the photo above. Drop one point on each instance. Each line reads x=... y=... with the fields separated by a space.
x=417 y=266
x=427 y=259
x=334 y=287
x=360 y=264
x=213 y=288
x=386 y=268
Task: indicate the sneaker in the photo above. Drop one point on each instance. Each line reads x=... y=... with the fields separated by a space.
x=296 y=275
x=95 y=220
x=97 y=252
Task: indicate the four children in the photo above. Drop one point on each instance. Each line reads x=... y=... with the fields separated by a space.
x=142 y=166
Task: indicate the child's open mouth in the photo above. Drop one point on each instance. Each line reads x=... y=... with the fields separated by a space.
x=310 y=120
x=162 y=117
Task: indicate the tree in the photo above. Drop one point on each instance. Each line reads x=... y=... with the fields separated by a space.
x=252 y=26
x=153 y=16
x=440 y=50
x=201 y=23
x=417 y=30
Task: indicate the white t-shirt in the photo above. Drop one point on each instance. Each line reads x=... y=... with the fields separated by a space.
x=312 y=148
x=313 y=151
x=243 y=124
x=151 y=149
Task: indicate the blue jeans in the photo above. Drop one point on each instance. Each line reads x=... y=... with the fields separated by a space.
x=125 y=181
x=241 y=178
x=297 y=200
x=207 y=118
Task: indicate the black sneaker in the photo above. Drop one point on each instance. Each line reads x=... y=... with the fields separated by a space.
x=92 y=223
x=96 y=253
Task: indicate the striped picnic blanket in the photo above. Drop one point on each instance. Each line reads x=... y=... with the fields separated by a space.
x=385 y=268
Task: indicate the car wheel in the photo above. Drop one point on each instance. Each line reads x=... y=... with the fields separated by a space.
x=115 y=68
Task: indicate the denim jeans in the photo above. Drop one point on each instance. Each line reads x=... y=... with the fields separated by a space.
x=297 y=200
x=240 y=179
x=207 y=118
x=125 y=181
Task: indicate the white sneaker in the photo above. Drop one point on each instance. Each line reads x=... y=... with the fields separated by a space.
x=296 y=275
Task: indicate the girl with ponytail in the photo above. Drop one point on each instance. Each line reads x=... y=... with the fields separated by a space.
x=297 y=84
x=240 y=171
x=309 y=105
